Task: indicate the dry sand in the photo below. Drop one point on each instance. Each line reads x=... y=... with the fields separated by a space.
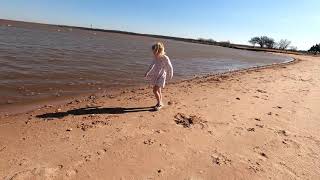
x=257 y=124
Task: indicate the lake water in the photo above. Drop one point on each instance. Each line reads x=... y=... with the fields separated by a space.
x=43 y=63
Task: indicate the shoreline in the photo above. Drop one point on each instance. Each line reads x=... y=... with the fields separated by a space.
x=11 y=109
x=261 y=123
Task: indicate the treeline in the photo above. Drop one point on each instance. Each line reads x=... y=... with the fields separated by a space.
x=315 y=49
x=267 y=42
x=213 y=42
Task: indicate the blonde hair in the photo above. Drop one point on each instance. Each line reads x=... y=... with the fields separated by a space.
x=158 y=48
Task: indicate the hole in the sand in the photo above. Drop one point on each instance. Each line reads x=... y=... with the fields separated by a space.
x=183 y=120
x=188 y=121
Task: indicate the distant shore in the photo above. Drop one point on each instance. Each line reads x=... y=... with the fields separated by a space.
x=10 y=23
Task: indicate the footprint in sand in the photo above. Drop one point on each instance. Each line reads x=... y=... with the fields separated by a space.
x=93 y=124
x=36 y=173
x=238 y=131
x=282 y=132
x=291 y=143
x=255 y=166
x=149 y=142
x=85 y=159
x=2 y=148
x=220 y=159
x=289 y=170
x=261 y=91
x=260 y=125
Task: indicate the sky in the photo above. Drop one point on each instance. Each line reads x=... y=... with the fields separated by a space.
x=222 y=20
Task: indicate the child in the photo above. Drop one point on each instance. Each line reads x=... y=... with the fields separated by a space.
x=160 y=67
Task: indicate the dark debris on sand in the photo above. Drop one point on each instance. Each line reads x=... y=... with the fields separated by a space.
x=188 y=121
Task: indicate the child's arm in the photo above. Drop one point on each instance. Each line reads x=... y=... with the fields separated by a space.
x=169 y=67
x=150 y=69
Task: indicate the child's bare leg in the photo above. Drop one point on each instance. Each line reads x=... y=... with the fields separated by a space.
x=157 y=94
x=160 y=93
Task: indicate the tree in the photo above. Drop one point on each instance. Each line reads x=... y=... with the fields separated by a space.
x=284 y=44
x=268 y=42
x=254 y=41
x=315 y=49
x=263 y=41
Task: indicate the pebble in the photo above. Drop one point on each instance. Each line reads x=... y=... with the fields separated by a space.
x=92 y=97
x=264 y=155
x=158 y=131
x=69 y=129
x=9 y=102
x=257 y=119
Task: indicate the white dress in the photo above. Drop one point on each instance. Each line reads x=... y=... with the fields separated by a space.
x=159 y=69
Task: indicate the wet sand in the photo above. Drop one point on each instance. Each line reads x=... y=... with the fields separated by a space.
x=254 y=124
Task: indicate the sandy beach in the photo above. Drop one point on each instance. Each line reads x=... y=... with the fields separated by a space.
x=254 y=124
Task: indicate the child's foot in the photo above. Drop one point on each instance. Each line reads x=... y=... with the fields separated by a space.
x=158 y=107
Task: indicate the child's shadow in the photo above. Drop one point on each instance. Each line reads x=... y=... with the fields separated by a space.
x=95 y=110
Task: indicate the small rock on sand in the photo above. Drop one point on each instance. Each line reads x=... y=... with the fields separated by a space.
x=263 y=155
x=260 y=125
x=9 y=102
x=92 y=97
x=261 y=91
x=283 y=132
x=257 y=119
